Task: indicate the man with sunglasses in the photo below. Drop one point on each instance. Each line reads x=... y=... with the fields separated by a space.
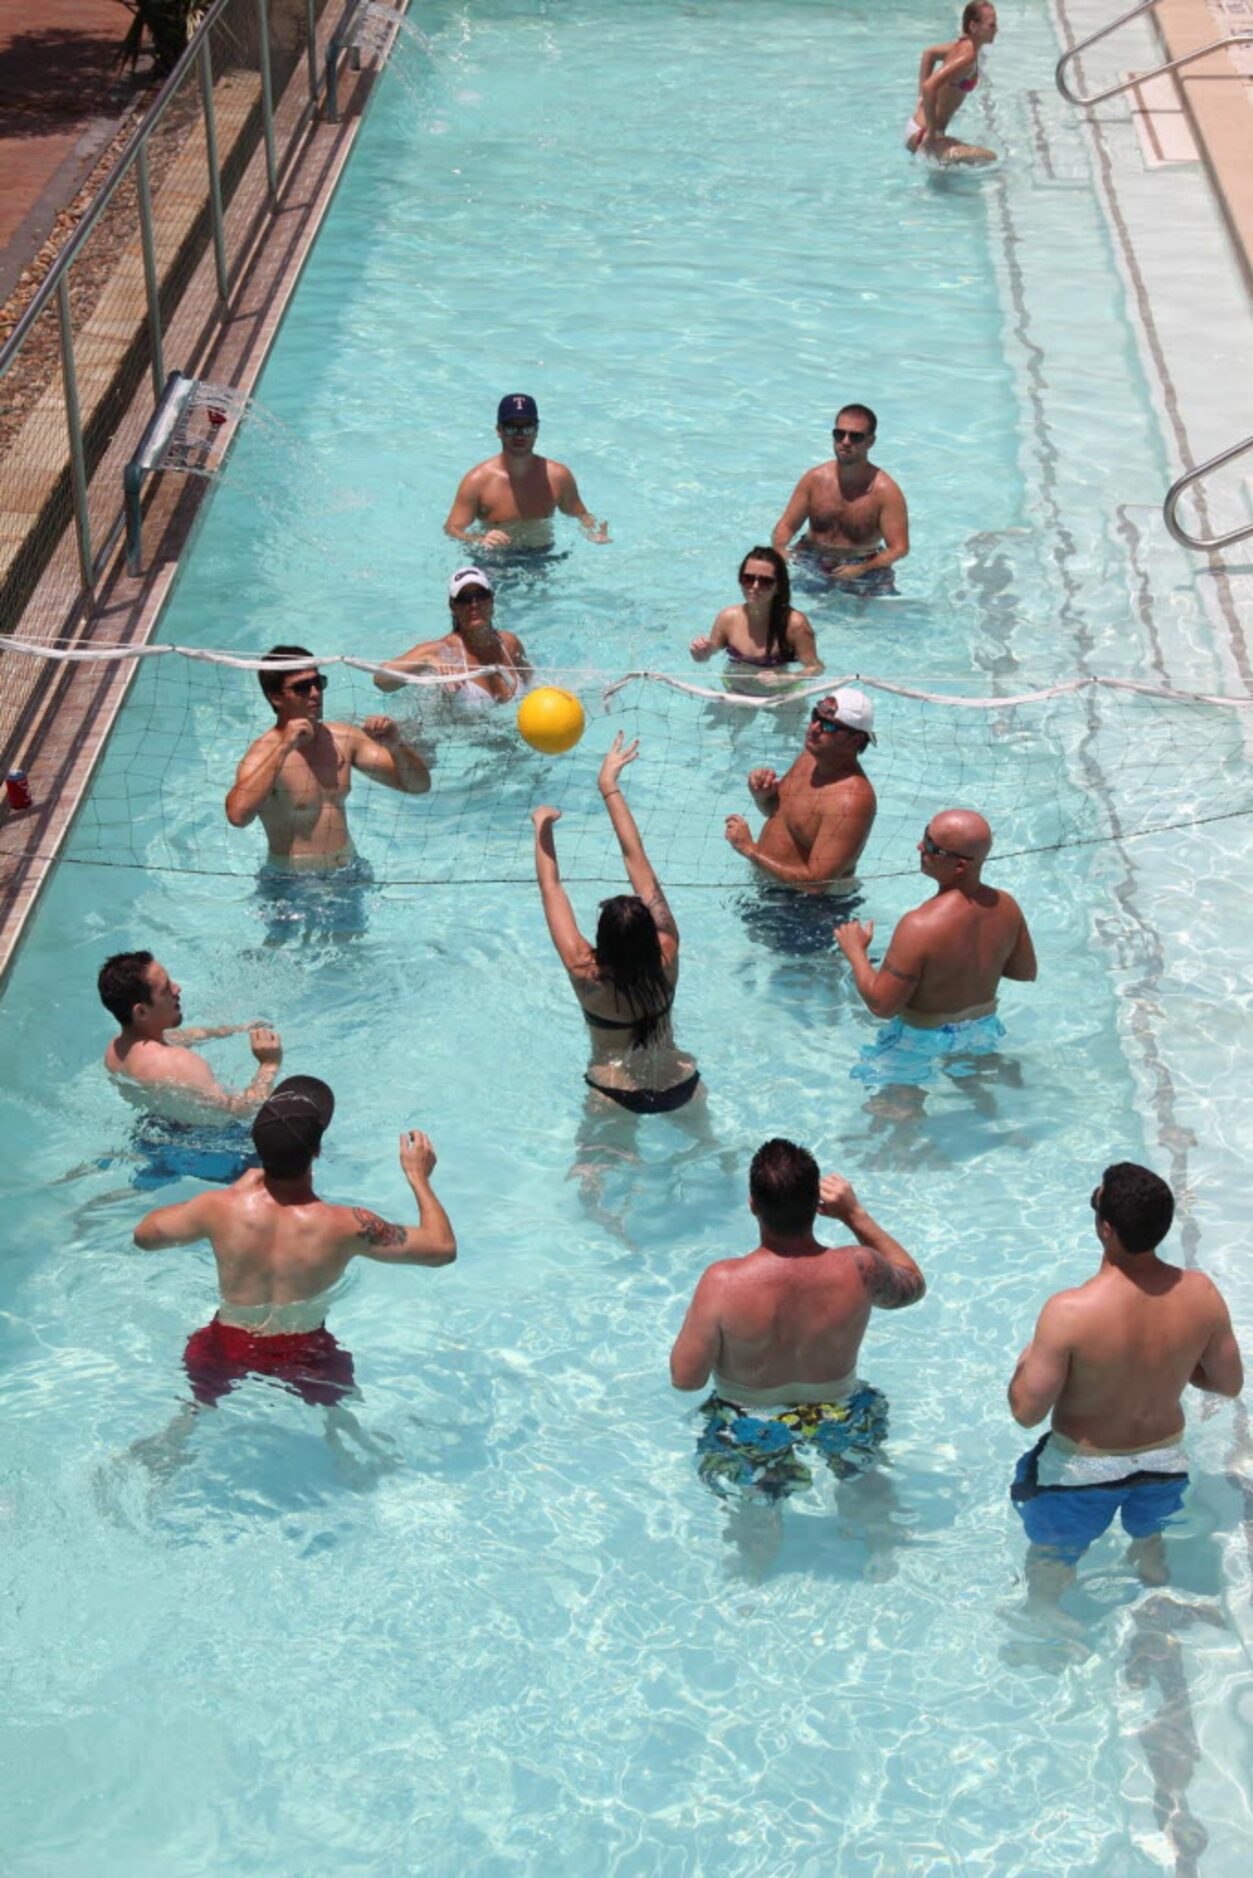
x=1108 y=1365
x=508 y=501
x=296 y=777
x=856 y=522
x=819 y=817
x=939 y=977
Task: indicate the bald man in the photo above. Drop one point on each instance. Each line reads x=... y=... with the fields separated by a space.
x=939 y=977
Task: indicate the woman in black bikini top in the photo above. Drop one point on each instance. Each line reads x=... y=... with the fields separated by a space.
x=625 y=983
x=764 y=633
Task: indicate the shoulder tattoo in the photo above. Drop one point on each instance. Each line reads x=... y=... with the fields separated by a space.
x=659 y=907
x=889 y=1287
x=376 y=1231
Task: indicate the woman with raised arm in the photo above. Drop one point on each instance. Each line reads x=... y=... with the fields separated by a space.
x=764 y=635
x=625 y=982
x=947 y=74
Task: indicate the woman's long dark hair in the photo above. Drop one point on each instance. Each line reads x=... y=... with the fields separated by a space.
x=778 y=645
x=628 y=957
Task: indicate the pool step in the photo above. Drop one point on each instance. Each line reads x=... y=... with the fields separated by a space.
x=1162 y=127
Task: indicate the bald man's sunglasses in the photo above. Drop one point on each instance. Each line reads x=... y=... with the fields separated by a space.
x=933 y=847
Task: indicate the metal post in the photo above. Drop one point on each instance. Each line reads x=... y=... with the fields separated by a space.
x=73 y=418
x=267 y=97
x=215 y=181
x=312 y=50
x=155 y=337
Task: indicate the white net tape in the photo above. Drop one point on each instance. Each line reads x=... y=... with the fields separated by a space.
x=1080 y=763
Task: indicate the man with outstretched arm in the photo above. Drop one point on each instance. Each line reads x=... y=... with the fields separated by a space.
x=780 y=1331
x=939 y=977
x=1108 y=1365
x=151 y=1060
x=508 y=500
x=297 y=776
x=280 y=1250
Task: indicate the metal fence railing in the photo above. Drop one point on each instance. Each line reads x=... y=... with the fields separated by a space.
x=182 y=206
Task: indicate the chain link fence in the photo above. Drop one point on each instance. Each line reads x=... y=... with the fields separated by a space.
x=140 y=289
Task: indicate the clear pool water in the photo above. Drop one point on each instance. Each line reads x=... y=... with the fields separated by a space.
x=505 y=1630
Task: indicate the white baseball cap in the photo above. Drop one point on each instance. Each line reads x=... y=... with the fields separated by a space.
x=468 y=577
x=853 y=708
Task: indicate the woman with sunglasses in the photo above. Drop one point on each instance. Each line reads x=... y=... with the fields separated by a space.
x=490 y=665
x=625 y=982
x=948 y=73
x=764 y=634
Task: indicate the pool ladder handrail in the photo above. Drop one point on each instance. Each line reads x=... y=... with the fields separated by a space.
x=1139 y=78
x=1206 y=544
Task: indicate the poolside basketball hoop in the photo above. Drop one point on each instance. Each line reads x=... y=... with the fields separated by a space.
x=189 y=432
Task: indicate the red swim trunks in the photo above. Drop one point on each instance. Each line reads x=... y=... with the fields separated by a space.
x=309 y=1362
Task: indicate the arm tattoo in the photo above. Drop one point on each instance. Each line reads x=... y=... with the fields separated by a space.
x=908 y=978
x=663 y=918
x=889 y=1287
x=376 y=1231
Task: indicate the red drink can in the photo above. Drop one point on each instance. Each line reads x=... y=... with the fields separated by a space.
x=17 y=789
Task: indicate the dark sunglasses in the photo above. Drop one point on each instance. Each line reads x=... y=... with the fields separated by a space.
x=1095 y=1201
x=468 y=594
x=305 y=687
x=849 y=436
x=758 y=580
x=519 y=430
x=933 y=847
x=829 y=724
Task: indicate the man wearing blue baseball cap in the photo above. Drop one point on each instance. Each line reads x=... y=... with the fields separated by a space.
x=508 y=501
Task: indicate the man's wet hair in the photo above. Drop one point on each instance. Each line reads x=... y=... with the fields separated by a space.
x=862 y=411
x=1137 y=1203
x=783 y=1186
x=272 y=682
x=123 y=983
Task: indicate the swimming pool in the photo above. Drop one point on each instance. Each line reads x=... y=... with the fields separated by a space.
x=512 y=1637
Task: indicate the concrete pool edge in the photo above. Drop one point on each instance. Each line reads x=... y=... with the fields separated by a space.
x=71 y=727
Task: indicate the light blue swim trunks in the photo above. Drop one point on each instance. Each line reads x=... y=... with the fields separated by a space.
x=903 y=1053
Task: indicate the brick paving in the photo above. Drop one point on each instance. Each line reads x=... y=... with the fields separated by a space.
x=63 y=99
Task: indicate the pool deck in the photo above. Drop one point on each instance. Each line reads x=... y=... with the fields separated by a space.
x=1217 y=94
x=74 y=722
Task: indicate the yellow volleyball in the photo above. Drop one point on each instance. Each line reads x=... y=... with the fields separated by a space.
x=551 y=720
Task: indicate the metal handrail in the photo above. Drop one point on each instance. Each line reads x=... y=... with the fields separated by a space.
x=1181 y=535
x=1140 y=78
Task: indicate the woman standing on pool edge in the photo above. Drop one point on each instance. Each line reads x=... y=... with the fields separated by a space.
x=625 y=983
x=763 y=634
x=946 y=74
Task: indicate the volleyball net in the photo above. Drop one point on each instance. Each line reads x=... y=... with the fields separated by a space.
x=1088 y=761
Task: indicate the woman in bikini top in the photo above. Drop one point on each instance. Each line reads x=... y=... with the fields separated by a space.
x=947 y=73
x=625 y=982
x=764 y=633
x=492 y=664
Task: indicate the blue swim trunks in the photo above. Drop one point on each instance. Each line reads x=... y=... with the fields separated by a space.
x=164 y=1151
x=757 y=1452
x=799 y=925
x=815 y=565
x=902 y=1053
x=1066 y=1496
x=310 y=906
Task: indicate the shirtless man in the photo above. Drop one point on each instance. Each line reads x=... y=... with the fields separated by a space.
x=280 y=1250
x=780 y=1331
x=508 y=501
x=297 y=776
x=150 y=1059
x=939 y=976
x=855 y=515
x=818 y=819
x=1109 y=1363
